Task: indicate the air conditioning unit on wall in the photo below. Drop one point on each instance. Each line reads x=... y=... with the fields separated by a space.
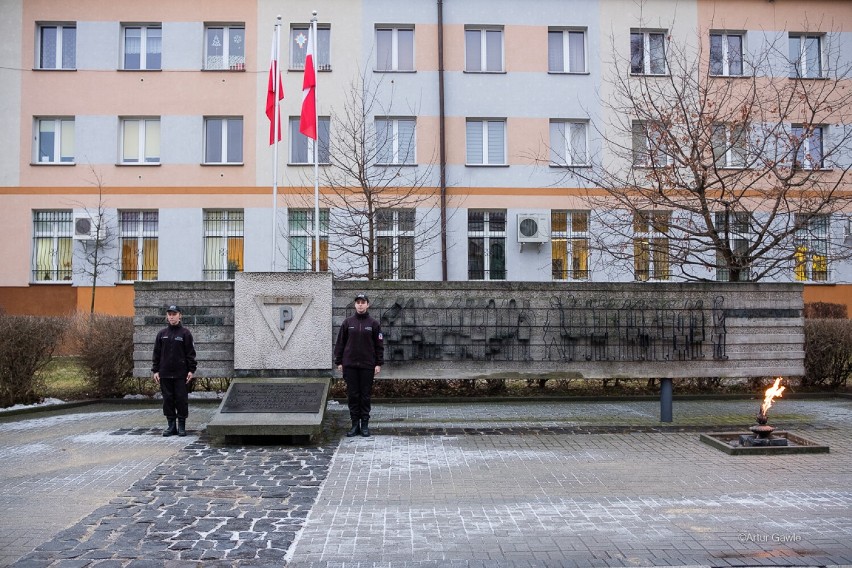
x=533 y=228
x=84 y=228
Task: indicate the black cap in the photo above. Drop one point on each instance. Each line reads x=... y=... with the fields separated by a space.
x=173 y=308
x=362 y=297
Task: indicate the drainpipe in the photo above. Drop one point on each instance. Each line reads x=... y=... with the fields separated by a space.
x=442 y=141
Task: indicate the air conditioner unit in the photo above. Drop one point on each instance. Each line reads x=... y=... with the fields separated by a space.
x=84 y=228
x=533 y=228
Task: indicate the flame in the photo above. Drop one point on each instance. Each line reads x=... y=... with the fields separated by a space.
x=771 y=393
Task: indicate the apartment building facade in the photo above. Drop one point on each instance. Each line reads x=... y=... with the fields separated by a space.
x=136 y=143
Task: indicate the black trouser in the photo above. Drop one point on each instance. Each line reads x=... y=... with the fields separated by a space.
x=175 y=397
x=359 y=387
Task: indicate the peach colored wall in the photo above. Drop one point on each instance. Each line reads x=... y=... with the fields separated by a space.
x=39 y=300
x=776 y=15
x=426 y=48
x=522 y=48
x=834 y=294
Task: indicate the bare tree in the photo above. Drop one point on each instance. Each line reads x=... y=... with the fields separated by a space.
x=383 y=200
x=710 y=172
x=97 y=251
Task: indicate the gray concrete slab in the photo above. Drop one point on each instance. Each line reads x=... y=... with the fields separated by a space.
x=510 y=484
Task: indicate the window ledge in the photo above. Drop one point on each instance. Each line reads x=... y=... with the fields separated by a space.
x=486 y=165
x=485 y=72
x=731 y=76
x=394 y=165
x=642 y=75
x=297 y=164
x=394 y=71
x=65 y=164
x=810 y=78
x=223 y=70
x=140 y=164
x=139 y=70
x=563 y=166
x=52 y=282
x=214 y=164
x=49 y=70
x=568 y=73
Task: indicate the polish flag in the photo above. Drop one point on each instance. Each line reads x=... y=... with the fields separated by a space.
x=308 y=120
x=271 y=101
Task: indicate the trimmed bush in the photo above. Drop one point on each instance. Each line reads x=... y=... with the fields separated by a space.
x=26 y=345
x=828 y=352
x=105 y=347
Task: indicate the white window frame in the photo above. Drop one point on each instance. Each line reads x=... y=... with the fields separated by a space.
x=652 y=154
x=298 y=47
x=483 y=49
x=566 y=49
x=145 y=124
x=740 y=236
x=726 y=54
x=562 y=151
x=802 y=159
x=139 y=225
x=143 y=46
x=394 y=48
x=226 y=124
x=487 y=235
x=571 y=236
x=399 y=156
x=226 y=64
x=646 y=52
x=306 y=239
x=59 y=54
x=651 y=235
x=297 y=139
x=56 y=225
x=396 y=232
x=484 y=124
x=732 y=150
x=60 y=143
x=230 y=226
x=814 y=237
x=799 y=66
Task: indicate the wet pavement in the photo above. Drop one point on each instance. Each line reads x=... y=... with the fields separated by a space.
x=525 y=483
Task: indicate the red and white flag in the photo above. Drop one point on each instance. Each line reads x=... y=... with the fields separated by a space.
x=308 y=120
x=271 y=100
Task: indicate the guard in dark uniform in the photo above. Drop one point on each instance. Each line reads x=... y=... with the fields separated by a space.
x=173 y=368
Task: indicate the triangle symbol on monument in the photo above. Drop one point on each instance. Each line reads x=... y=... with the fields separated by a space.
x=269 y=307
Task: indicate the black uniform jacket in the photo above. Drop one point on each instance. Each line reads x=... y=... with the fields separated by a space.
x=359 y=343
x=174 y=353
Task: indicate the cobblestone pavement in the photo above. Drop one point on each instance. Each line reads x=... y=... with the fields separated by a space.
x=460 y=485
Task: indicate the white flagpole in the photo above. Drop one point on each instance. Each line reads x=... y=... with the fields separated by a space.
x=316 y=144
x=275 y=83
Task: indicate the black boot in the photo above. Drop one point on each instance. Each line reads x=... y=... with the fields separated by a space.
x=181 y=427
x=171 y=430
x=365 y=428
x=355 y=430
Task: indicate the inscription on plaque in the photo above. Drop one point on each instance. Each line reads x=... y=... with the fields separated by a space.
x=266 y=397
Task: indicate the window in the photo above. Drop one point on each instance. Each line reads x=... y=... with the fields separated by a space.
x=736 y=228
x=223 y=141
x=651 y=245
x=140 y=141
x=225 y=48
x=649 y=146
x=302 y=147
x=808 y=143
x=566 y=51
x=486 y=142
x=302 y=240
x=299 y=47
x=648 y=53
x=54 y=140
x=57 y=46
x=805 y=56
x=52 y=246
x=568 y=143
x=223 y=243
x=486 y=244
x=395 y=142
x=726 y=54
x=811 y=248
x=483 y=50
x=570 y=245
x=394 y=49
x=395 y=244
x=730 y=145
x=138 y=235
x=143 y=47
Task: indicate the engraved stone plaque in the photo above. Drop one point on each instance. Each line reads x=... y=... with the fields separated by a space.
x=272 y=397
